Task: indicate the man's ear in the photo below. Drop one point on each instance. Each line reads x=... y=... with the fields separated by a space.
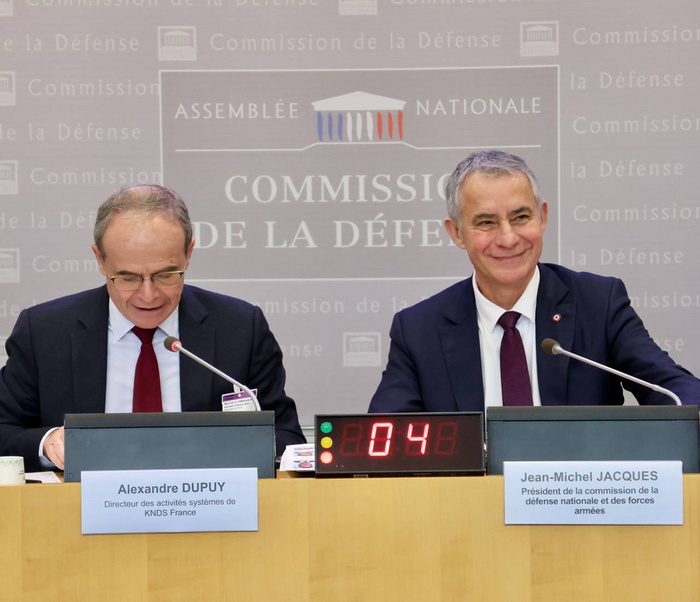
x=189 y=253
x=544 y=214
x=454 y=233
x=98 y=257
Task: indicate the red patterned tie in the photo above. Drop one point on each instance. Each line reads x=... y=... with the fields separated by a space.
x=515 y=379
x=147 y=396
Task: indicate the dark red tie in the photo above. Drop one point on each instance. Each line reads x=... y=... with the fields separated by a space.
x=515 y=379
x=147 y=378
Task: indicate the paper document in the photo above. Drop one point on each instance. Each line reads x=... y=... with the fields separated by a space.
x=298 y=458
x=42 y=477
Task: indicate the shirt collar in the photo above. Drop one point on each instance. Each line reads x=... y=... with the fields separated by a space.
x=489 y=313
x=120 y=326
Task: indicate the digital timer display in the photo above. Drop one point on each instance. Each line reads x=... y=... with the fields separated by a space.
x=425 y=443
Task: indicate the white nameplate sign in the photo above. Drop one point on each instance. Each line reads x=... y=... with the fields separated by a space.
x=169 y=501
x=593 y=493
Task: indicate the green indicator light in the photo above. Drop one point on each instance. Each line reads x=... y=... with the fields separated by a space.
x=326 y=427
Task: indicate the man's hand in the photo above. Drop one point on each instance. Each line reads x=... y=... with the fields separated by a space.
x=53 y=447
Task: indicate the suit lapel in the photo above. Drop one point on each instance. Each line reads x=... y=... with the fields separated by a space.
x=459 y=336
x=198 y=337
x=89 y=354
x=556 y=319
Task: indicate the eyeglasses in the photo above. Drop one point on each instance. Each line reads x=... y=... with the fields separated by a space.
x=133 y=282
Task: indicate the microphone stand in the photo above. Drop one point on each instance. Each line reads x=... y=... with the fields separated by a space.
x=551 y=347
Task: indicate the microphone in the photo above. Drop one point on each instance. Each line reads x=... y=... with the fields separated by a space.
x=551 y=347
x=174 y=345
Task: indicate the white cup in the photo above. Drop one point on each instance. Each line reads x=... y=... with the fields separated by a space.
x=11 y=470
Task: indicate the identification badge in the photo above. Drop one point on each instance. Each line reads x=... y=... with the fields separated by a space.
x=238 y=402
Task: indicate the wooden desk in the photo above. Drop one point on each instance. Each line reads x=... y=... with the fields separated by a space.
x=343 y=539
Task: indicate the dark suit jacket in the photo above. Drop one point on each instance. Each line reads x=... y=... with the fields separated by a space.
x=435 y=360
x=57 y=364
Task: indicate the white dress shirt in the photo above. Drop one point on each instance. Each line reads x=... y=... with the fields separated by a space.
x=123 y=349
x=491 y=334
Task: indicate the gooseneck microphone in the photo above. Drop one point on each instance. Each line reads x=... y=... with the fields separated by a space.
x=551 y=347
x=174 y=345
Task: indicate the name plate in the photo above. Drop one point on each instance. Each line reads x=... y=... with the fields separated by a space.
x=169 y=501
x=593 y=493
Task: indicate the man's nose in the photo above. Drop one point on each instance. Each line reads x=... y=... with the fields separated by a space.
x=148 y=290
x=506 y=236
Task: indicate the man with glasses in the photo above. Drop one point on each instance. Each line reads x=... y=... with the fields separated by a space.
x=94 y=351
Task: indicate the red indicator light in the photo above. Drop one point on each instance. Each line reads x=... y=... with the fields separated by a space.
x=326 y=457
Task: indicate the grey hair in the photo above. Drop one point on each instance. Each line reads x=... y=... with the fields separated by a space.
x=148 y=198
x=492 y=162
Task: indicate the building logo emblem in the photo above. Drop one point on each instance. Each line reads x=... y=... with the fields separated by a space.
x=8 y=177
x=359 y=116
x=7 y=89
x=539 y=38
x=348 y=8
x=361 y=349
x=177 y=44
x=9 y=265
x=6 y=8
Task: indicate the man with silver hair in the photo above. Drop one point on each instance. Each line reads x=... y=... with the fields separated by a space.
x=476 y=344
x=84 y=353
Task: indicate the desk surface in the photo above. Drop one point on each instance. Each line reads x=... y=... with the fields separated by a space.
x=349 y=539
